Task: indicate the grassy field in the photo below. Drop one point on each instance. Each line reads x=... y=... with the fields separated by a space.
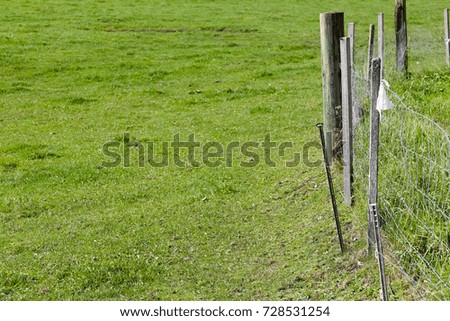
x=76 y=75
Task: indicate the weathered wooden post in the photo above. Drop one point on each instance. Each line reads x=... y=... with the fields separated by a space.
x=447 y=36
x=347 y=127
x=381 y=41
x=351 y=35
x=401 y=36
x=356 y=107
x=373 y=149
x=331 y=31
x=370 y=50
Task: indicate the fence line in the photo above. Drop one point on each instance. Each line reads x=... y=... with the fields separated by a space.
x=414 y=190
x=408 y=180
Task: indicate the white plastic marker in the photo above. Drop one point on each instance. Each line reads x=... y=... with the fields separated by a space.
x=383 y=101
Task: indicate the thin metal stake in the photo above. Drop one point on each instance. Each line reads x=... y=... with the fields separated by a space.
x=330 y=185
x=376 y=218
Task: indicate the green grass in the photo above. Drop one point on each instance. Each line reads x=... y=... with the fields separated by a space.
x=427 y=92
x=76 y=75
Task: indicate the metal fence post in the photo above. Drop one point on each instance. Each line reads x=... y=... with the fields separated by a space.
x=331 y=187
x=383 y=283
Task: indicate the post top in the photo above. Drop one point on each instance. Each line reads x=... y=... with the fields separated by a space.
x=332 y=13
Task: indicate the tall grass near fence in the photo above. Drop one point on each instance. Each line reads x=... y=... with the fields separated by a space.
x=414 y=189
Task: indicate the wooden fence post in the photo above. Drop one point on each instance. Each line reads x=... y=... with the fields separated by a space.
x=356 y=107
x=351 y=35
x=373 y=149
x=347 y=127
x=401 y=36
x=370 y=50
x=381 y=41
x=331 y=31
x=447 y=36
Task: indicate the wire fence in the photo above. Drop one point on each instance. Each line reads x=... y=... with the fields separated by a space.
x=414 y=189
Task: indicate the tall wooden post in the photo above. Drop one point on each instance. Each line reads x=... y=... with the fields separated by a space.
x=370 y=50
x=401 y=36
x=347 y=127
x=381 y=41
x=351 y=35
x=373 y=149
x=356 y=106
x=447 y=36
x=331 y=31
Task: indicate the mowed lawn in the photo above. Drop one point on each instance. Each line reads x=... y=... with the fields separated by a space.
x=75 y=75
